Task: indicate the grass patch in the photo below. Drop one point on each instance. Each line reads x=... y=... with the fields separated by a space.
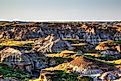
x=64 y=54
x=10 y=72
x=16 y=43
x=118 y=62
x=69 y=39
x=59 y=60
x=64 y=76
x=119 y=41
x=103 y=57
x=72 y=40
x=99 y=60
x=79 y=44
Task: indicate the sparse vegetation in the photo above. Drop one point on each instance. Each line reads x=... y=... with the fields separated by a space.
x=103 y=57
x=119 y=41
x=10 y=72
x=60 y=60
x=64 y=76
x=16 y=43
x=99 y=60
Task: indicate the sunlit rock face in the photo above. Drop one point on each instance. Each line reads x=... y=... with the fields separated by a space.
x=109 y=48
x=51 y=44
x=85 y=67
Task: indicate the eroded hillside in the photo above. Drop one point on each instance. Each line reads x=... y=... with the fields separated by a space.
x=60 y=51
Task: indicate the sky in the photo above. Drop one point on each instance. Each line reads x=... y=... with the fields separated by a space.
x=60 y=10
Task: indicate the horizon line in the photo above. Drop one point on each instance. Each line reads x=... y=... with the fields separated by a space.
x=57 y=20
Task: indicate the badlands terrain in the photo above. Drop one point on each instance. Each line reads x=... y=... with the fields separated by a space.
x=60 y=51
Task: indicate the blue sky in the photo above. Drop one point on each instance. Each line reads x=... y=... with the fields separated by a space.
x=60 y=9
